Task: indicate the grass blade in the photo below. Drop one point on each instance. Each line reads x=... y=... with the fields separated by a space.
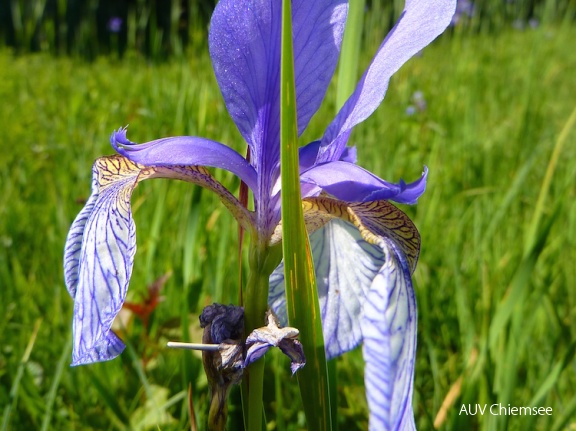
x=545 y=188
x=19 y=373
x=348 y=65
x=64 y=359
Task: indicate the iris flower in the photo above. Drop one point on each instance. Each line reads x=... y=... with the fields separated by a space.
x=364 y=248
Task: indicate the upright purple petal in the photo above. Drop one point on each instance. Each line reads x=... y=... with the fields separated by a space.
x=244 y=43
x=245 y=49
x=308 y=153
x=420 y=23
x=318 y=28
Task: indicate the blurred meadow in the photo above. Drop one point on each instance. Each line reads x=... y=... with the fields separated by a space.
x=490 y=108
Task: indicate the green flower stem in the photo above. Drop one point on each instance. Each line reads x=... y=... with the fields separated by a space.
x=263 y=260
x=348 y=65
x=255 y=382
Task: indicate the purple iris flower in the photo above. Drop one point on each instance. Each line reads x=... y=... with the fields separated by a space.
x=115 y=24
x=364 y=248
x=464 y=9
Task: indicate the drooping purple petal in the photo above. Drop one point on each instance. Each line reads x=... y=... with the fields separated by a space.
x=349 y=182
x=73 y=247
x=104 y=262
x=420 y=23
x=245 y=50
x=101 y=244
x=364 y=254
x=294 y=350
x=388 y=323
x=345 y=266
x=366 y=295
x=185 y=150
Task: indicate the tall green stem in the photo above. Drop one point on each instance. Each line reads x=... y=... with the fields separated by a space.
x=348 y=66
x=263 y=260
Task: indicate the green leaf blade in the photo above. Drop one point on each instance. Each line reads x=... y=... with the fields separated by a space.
x=301 y=294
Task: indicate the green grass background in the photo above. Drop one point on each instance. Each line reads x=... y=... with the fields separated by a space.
x=495 y=281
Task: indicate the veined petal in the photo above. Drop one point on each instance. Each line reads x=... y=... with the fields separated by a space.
x=420 y=23
x=99 y=258
x=318 y=28
x=73 y=245
x=245 y=50
x=244 y=42
x=346 y=241
x=100 y=247
x=345 y=267
x=388 y=323
x=372 y=219
x=349 y=182
x=185 y=150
